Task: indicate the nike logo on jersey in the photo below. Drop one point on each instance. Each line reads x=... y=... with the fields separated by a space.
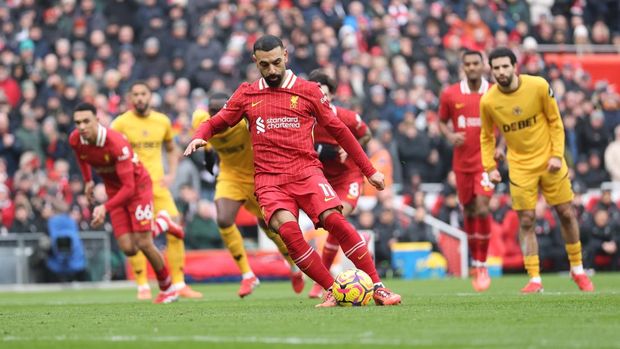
x=362 y=256
x=459 y=105
x=254 y=104
x=330 y=199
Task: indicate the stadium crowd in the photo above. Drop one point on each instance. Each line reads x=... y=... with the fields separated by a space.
x=391 y=60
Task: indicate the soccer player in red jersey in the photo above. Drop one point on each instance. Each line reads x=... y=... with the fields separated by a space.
x=282 y=110
x=129 y=190
x=460 y=104
x=340 y=170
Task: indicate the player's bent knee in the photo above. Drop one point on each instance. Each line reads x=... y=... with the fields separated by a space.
x=565 y=211
x=129 y=249
x=326 y=214
x=526 y=220
x=224 y=222
x=143 y=241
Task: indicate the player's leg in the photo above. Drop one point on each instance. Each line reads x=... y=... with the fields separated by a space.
x=168 y=220
x=524 y=195
x=570 y=232
x=319 y=200
x=144 y=241
x=138 y=267
x=557 y=191
x=297 y=277
x=121 y=224
x=483 y=224
x=227 y=210
x=531 y=261
x=348 y=190
x=354 y=248
x=306 y=258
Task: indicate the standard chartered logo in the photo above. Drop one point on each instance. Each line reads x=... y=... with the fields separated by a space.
x=260 y=126
x=279 y=122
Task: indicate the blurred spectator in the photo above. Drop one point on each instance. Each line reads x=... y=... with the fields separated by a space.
x=603 y=238
x=606 y=203
x=201 y=230
x=10 y=146
x=612 y=157
x=418 y=231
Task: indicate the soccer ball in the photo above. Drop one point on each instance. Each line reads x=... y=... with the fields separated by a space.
x=353 y=287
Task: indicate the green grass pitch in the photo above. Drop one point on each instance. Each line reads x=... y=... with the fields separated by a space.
x=434 y=314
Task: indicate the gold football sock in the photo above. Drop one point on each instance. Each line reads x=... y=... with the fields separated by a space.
x=138 y=267
x=176 y=258
x=574 y=254
x=234 y=242
x=532 y=265
x=275 y=237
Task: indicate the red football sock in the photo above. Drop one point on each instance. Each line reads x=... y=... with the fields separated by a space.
x=304 y=255
x=163 y=278
x=330 y=250
x=484 y=231
x=470 y=227
x=353 y=245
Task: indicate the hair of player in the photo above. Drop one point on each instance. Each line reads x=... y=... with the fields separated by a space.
x=318 y=76
x=267 y=43
x=84 y=106
x=219 y=95
x=139 y=82
x=502 y=52
x=471 y=53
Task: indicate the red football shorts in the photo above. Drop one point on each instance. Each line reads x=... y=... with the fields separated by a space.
x=348 y=188
x=136 y=216
x=472 y=184
x=313 y=194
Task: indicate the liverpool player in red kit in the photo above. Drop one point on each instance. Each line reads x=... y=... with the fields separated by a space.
x=129 y=190
x=460 y=104
x=340 y=170
x=282 y=110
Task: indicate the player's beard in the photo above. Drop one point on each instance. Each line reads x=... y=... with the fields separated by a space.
x=506 y=82
x=277 y=80
x=142 y=109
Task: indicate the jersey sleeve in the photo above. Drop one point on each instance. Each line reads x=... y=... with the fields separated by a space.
x=125 y=172
x=487 y=137
x=332 y=124
x=444 y=106
x=552 y=113
x=355 y=124
x=230 y=115
x=168 y=127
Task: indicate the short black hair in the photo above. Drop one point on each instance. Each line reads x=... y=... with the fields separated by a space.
x=84 y=106
x=219 y=95
x=267 y=43
x=139 y=82
x=471 y=53
x=502 y=52
x=323 y=79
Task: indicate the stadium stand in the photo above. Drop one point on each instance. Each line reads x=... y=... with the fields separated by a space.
x=391 y=59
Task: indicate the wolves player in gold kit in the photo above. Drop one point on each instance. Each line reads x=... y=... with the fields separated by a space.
x=524 y=109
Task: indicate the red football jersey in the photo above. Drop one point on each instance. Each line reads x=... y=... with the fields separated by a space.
x=114 y=161
x=333 y=168
x=281 y=121
x=462 y=106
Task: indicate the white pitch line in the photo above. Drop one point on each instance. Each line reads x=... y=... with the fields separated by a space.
x=296 y=341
